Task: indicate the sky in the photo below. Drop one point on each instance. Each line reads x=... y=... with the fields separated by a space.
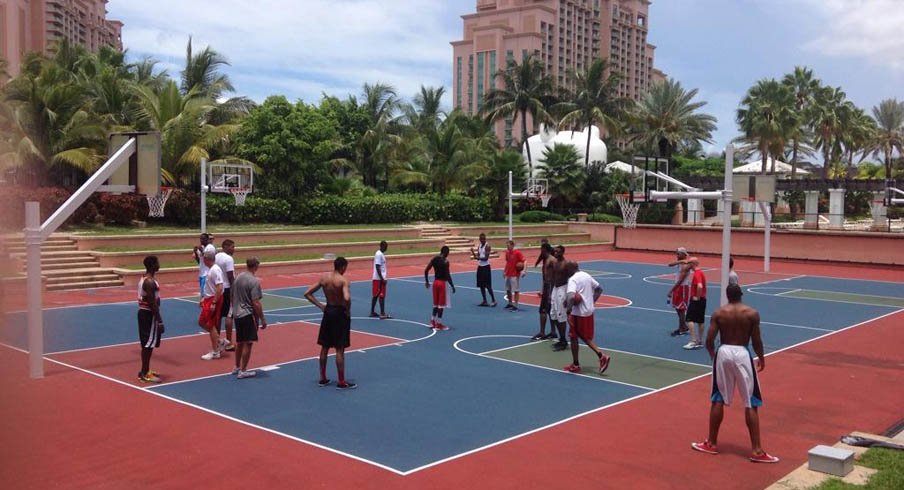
x=302 y=49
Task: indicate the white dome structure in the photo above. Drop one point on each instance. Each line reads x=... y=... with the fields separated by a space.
x=546 y=138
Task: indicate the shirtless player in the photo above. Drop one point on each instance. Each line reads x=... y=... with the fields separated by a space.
x=737 y=325
x=335 y=328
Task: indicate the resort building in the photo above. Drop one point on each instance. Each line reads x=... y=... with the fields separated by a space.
x=36 y=25
x=565 y=35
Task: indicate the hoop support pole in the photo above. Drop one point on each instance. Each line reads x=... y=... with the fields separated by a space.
x=712 y=195
x=726 y=223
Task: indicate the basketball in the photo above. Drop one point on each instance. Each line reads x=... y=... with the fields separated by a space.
x=519 y=266
x=578 y=299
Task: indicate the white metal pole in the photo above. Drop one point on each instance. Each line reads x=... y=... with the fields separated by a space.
x=203 y=195
x=726 y=222
x=33 y=240
x=510 y=205
x=767 y=234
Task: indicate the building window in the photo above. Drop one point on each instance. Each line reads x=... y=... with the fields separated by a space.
x=458 y=82
x=480 y=57
x=492 y=76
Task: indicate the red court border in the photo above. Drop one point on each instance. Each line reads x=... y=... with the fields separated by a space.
x=75 y=430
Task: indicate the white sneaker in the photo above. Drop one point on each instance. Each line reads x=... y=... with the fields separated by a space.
x=236 y=371
x=222 y=345
x=698 y=345
x=247 y=374
x=690 y=345
x=211 y=355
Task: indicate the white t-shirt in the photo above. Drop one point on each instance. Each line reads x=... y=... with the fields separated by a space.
x=379 y=261
x=202 y=268
x=227 y=265
x=214 y=277
x=732 y=278
x=583 y=284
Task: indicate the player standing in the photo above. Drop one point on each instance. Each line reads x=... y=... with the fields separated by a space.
x=335 y=328
x=581 y=294
x=441 y=277
x=150 y=324
x=378 y=286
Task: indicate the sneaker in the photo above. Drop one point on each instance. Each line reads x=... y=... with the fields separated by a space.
x=385 y=316
x=550 y=336
x=373 y=315
x=572 y=368
x=514 y=309
x=211 y=355
x=323 y=382
x=679 y=331
x=154 y=373
x=221 y=345
x=537 y=337
x=559 y=346
x=440 y=326
x=148 y=378
x=235 y=371
x=509 y=306
x=690 y=345
x=698 y=345
x=229 y=346
x=246 y=374
x=432 y=323
x=705 y=447
x=346 y=386
x=604 y=363
x=484 y=304
x=763 y=458
x=493 y=304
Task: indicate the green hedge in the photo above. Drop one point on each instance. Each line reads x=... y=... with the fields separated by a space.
x=539 y=217
x=390 y=208
x=603 y=218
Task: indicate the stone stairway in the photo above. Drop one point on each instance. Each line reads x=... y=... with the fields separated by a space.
x=454 y=242
x=64 y=266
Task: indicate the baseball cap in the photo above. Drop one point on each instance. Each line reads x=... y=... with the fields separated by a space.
x=681 y=250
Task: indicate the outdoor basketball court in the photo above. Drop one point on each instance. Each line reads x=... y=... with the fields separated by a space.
x=428 y=398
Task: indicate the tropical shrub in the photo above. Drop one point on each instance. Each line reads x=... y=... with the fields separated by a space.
x=539 y=217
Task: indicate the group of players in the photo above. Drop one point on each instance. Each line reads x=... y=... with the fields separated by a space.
x=567 y=298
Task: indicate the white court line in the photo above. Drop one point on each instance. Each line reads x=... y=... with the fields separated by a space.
x=787 y=292
x=478 y=354
x=397 y=342
x=776 y=295
x=218 y=414
x=601 y=347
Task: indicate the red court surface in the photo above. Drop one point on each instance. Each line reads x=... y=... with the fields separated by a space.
x=76 y=430
x=278 y=344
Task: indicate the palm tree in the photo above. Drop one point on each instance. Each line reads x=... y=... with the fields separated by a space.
x=426 y=110
x=667 y=116
x=856 y=136
x=495 y=177
x=827 y=120
x=804 y=87
x=594 y=101
x=563 y=170
x=889 y=135
x=526 y=90
x=767 y=118
x=202 y=71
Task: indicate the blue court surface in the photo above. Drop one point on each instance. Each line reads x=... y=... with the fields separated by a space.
x=440 y=395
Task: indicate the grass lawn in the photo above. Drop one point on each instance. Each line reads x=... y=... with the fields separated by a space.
x=889 y=462
x=153 y=229
x=287 y=258
x=240 y=243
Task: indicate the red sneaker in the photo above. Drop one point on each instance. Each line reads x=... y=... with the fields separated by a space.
x=704 y=447
x=572 y=368
x=604 y=363
x=440 y=326
x=763 y=458
x=432 y=323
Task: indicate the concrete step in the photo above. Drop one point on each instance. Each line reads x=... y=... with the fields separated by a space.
x=79 y=279
x=69 y=265
x=55 y=247
x=53 y=260
x=86 y=272
x=84 y=285
x=55 y=254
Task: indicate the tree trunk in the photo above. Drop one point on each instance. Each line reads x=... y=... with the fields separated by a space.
x=794 y=158
x=587 y=152
x=764 y=151
x=825 y=159
x=524 y=137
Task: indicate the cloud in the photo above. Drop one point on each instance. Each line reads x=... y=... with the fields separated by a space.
x=866 y=29
x=303 y=48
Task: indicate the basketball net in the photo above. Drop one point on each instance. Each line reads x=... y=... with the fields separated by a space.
x=157 y=202
x=240 y=193
x=628 y=210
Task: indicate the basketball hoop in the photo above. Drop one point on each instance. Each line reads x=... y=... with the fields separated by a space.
x=628 y=210
x=240 y=193
x=157 y=202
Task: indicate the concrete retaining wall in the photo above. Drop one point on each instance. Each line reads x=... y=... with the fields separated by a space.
x=867 y=248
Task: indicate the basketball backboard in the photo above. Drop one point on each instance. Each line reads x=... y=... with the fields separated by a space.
x=225 y=176
x=759 y=188
x=142 y=174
